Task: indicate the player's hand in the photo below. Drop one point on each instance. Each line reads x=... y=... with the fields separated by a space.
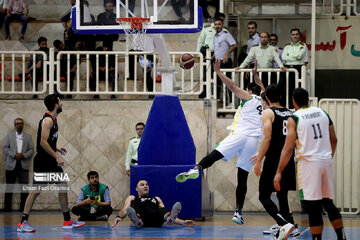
x=257 y=168
x=277 y=180
x=116 y=221
x=253 y=158
x=60 y=161
x=128 y=172
x=62 y=151
x=217 y=65
x=188 y=223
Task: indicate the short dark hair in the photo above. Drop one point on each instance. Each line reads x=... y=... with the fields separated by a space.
x=140 y=123
x=252 y=23
x=273 y=93
x=92 y=173
x=139 y=181
x=57 y=43
x=301 y=97
x=254 y=88
x=274 y=35
x=219 y=19
x=18 y=118
x=50 y=101
x=107 y=1
x=295 y=29
x=219 y=15
x=41 y=39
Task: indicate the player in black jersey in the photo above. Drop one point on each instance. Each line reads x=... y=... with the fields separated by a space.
x=274 y=132
x=47 y=160
x=146 y=211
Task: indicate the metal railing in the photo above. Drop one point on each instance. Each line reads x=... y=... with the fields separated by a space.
x=238 y=76
x=345 y=114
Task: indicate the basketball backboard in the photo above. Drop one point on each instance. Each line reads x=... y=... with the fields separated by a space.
x=166 y=16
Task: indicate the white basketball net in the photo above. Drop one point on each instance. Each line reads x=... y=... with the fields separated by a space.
x=135 y=31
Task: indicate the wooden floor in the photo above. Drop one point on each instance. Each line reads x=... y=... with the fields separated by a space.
x=49 y=226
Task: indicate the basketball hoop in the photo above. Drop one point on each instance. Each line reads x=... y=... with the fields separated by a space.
x=135 y=31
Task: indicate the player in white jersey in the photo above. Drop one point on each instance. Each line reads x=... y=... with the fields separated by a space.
x=313 y=133
x=243 y=139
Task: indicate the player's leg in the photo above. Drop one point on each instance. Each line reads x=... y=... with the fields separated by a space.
x=226 y=149
x=284 y=210
x=241 y=190
x=135 y=214
x=68 y=221
x=206 y=162
x=315 y=218
x=24 y=226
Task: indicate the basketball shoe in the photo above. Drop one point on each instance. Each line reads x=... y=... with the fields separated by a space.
x=25 y=227
x=285 y=231
x=131 y=213
x=237 y=218
x=272 y=230
x=72 y=223
x=192 y=174
x=174 y=213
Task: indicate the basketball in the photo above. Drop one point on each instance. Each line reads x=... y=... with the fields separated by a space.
x=186 y=61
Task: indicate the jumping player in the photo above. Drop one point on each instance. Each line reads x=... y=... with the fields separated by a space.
x=47 y=160
x=146 y=211
x=274 y=133
x=243 y=139
x=311 y=130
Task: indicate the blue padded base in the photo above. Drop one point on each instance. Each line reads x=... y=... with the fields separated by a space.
x=162 y=183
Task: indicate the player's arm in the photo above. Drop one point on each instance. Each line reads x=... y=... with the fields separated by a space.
x=240 y=93
x=333 y=139
x=267 y=118
x=257 y=79
x=47 y=124
x=186 y=223
x=160 y=202
x=286 y=152
x=122 y=213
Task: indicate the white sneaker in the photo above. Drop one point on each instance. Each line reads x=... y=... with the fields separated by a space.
x=295 y=232
x=131 y=213
x=273 y=229
x=192 y=174
x=285 y=231
x=237 y=218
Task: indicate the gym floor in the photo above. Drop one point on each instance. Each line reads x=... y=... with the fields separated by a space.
x=49 y=226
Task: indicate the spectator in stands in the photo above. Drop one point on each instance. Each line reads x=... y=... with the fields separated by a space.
x=204 y=5
x=107 y=18
x=265 y=55
x=293 y=56
x=18 y=149
x=103 y=72
x=3 y=11
x=42 y=43
x=224 y=45
x=132 y=152
x=60 y=46
x=273 y=40
x=94 y=202
x=177 y=4
x=206 y=41
x=254 y=40
x=16 y=9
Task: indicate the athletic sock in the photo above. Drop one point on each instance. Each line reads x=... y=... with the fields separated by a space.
x=198 y=167
x=316 y=236
x=66 y=216
x=24 y=217
x=340 y=234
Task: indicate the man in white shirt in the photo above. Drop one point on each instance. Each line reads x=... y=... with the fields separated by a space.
x=18 y=149
x=132 y=152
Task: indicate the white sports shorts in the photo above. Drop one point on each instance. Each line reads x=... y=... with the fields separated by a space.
x=243 y=146
x=315 y=179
